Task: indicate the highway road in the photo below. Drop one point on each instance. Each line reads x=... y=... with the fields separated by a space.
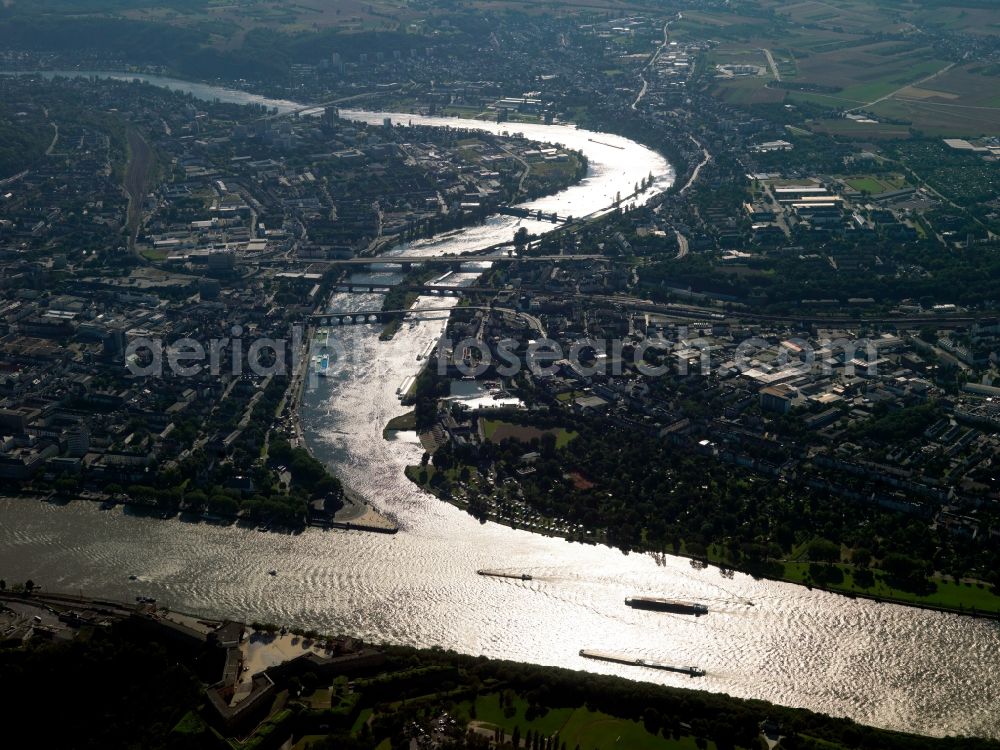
x=770 y=61
x=652 y=61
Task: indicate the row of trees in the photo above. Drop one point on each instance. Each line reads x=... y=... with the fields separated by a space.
x=672 y=712
x=644 y=494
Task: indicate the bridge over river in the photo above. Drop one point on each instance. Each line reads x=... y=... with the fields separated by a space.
x=362 y=317
x=454 y=262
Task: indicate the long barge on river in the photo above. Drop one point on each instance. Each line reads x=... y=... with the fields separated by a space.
x=504 y=574
x=631 y=661
x=666 y=605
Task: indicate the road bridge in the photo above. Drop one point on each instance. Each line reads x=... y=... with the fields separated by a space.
x=525 y=213
x=425 y=289
x=367 y=317
x=455 y=262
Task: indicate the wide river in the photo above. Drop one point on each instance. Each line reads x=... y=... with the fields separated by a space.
x=880 y=664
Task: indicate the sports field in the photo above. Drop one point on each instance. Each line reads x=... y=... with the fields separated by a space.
x=496 y=431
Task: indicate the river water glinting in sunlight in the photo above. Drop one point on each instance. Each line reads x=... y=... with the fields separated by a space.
x=885 y=665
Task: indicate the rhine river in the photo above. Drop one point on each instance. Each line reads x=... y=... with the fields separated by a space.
x=880 y=664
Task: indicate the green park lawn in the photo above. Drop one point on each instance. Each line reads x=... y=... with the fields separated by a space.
x=154 y=254
x=590 y=730
x=496 y=430
x=362 y=719
x=406 y=421
x=948 y=593
x=875 y=185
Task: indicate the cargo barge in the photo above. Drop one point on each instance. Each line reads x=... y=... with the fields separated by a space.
x=633 y=662
x=666 y=605
x=502 y=574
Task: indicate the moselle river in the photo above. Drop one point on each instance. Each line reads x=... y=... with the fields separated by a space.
x=881 y=664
